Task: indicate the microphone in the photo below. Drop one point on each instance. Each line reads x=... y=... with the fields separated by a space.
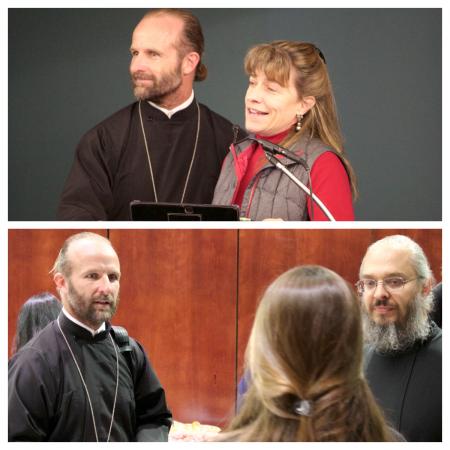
x=278 y=149
x=271 y=148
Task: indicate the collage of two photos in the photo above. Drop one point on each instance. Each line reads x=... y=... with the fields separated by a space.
x=249 y=323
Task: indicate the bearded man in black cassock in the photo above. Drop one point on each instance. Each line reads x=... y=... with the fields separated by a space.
x=71 y=382
x=403 y=356
x=166 y=147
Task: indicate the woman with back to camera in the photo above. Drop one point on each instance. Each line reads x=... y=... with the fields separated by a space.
x=305 y=359
x=289 y=102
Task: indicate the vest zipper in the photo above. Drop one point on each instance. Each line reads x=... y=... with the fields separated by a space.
x=252 y=192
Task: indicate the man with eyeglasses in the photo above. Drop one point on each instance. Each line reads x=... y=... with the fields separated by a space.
x=403 y=361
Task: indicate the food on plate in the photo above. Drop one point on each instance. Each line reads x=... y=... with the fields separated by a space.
x=194 y=431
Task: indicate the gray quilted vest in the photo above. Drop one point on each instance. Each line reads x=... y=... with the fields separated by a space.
x=271 y=193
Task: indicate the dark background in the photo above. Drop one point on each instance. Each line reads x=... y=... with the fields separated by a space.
x=68 y=70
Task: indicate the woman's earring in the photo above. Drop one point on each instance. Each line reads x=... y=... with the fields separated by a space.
x=298 y=126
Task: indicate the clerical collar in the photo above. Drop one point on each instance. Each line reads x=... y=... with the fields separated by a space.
x=101 y=328
x=170 y=112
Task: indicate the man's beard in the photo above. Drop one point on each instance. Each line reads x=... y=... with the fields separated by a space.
x=394 y=337
x=167 y=84
x=85 y=310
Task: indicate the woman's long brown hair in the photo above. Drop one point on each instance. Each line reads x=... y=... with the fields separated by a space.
x=306 y=343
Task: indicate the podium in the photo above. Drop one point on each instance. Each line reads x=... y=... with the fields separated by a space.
x=152 y=211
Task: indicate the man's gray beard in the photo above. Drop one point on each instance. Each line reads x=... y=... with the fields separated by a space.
x=394 y=337
x=160 y=89
x=88 y=314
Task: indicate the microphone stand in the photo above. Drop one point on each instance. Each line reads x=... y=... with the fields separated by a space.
x=277 y=149
x=274 y=161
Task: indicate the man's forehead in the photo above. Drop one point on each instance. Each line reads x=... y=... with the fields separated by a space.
x=385 y=260
x=164 y=26
x=91 y=248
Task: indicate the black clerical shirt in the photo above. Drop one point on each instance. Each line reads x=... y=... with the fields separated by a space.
x=408 y=386
x=47 y=400
x=111 y=166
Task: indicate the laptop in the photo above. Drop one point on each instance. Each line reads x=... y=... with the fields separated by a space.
x=182 y=212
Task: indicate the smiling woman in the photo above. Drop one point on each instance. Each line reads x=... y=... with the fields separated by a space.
x=289 y=102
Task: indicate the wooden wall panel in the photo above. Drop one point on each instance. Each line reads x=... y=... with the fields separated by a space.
x=189 y=296
x=31 y=254
x=265 y=254
x=178 y=294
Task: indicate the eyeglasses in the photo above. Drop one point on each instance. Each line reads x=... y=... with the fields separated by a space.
x=390 y=284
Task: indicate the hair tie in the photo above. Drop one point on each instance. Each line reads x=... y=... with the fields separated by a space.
x=320 y=54
x=302 y=407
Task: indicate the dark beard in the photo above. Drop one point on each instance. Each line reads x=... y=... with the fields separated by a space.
x=160 y=89
x=85 y=310
x=395 y=337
